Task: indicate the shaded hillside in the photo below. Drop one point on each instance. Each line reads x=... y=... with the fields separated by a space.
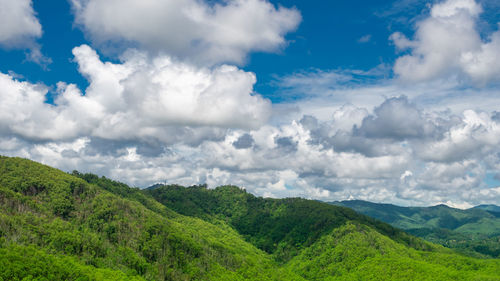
x=472 y=230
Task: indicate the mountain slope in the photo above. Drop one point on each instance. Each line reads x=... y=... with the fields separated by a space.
x=278 y=226
x=358 y=252
x=351 y=247
x=25 y=262
x=472 y=230
x=58 y=226
x=491 y=208
x=64 y=216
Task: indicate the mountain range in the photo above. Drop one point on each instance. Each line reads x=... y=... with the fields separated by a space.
x=475 y=230
x=489 y=207
x=78 y=226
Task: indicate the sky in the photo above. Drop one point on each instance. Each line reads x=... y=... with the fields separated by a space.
x=387 y=101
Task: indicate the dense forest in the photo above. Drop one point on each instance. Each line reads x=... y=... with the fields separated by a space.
x=75 y=226
x=474 y=231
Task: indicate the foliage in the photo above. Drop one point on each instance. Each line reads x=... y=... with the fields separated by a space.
x=59 y=226
x=279 y=226
x=474 y=231
x=357 y=252
x=116 y=231
x=28 y=263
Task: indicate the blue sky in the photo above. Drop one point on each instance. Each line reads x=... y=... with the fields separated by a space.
x=328 y=38
x=388 y=101
x=332 y=35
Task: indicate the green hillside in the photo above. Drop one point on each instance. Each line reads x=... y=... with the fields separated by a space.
x=472 y=231
x=53 y=214
x=59 y=226
x=278 y=226
x=345 y=246
x=357 y=252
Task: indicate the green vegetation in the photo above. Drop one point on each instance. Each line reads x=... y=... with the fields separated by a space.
x=471 y=245
x=475 y=231
x=64 y=215
x=358 y=252
x=281 y=227
x=28 y=263
x=59 y=226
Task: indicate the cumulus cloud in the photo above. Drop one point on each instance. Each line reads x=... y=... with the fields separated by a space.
x=475 y=136
x=18 y=23
x=19 y=28
x=448 y=44
x=140 y=98
x=302 y=158
x=396 y=118
x=152 y=117
x=197 y=30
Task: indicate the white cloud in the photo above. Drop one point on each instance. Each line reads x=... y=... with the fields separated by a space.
x=448 y=44
x=194 y=30
x=293 y=159
x=152 y=118
x=19 y=29
x=475 y=136
x=483 y=65
x=18 y=23
x=140 y=98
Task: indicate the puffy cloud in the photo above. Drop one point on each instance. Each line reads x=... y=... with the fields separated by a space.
x=474 y=137
x=19 y=28
x=483 y=65
x=18 y=23
x=396 y=118
x=448 y=44
x=154 y=119
x=197 y=30
x=304 y=158
x=140 y=98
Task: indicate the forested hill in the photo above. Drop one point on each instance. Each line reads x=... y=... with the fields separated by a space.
x=475 y=230
x=85 y=232
x=60 y=226
x=281 y=227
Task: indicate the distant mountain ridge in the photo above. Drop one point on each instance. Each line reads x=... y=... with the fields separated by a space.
x=439 y=216
x=489 y=207
x=476 y=229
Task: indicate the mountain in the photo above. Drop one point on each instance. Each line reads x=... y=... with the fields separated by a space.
x=86 y=232
x=490 y=208
x=472 y=230
x=60 y=226
x=278 y=226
